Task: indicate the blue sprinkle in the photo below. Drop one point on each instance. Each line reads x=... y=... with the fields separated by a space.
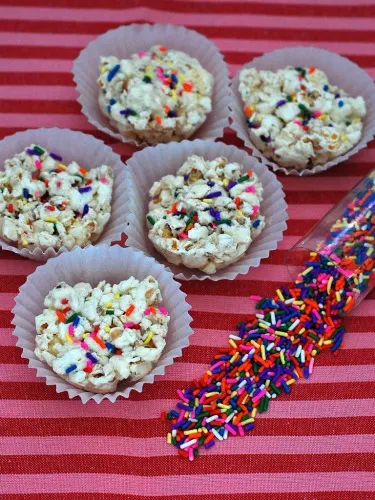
x=26 y=193
x=285 y=386
x=216 y=194
x=256 y=223
x=340 y=104
x=210 y=444
x=325 y=88
x=210 y=183
x=230 y=185
x=174 y=78
x=112 y=73
x=85 y=189
x=110 y=346
x=85 y=210
x=306 y=372
x=71 y=368
x=249 y=427
x=33 y=152
x=112 y=102
x=172 y=114
x=280 y=103
x=337 y=96
x=108 y=108
x=91 y=357
x=76 y=321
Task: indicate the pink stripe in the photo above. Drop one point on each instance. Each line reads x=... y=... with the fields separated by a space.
x=6 y=337
x=32 y=92
x=19 y=120
x=194 y=19
x=173 y=485
x=36 y=65
x=149 y=447
x=143 y=410
x=232 y=45
x=7 y=301
x=189 y=371
x=291 y=2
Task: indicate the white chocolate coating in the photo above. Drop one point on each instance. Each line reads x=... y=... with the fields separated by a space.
x=46 y=204
x=207 y=215
x=118 y=333
x=297 y=118
x=156 y=96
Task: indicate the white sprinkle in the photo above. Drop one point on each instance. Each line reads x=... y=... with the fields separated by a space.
x=244 y=382
x=259 y=316
x=228 y=419
x=273 y=318
x=294 y=324
x=217 y=435
x=225 y=434
x=289 y=301
x=188 y=443
x=174 y=432
x=303 y=356
x=298 y=352
x=269 y=347
x=210 y=419
x=244 y=358
x=234 y=337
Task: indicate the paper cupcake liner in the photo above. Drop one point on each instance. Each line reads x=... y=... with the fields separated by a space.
x=91 y=265
x=89 y=153
x=127 y=40
x=150 y=164
x=339 y=70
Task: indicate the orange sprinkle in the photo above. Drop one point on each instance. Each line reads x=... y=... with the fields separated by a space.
x=167 y=109
x=152 y=309
x=249 y=111
x=61 y=316
x=174 y=207
x=158 y=120
x=129 y=310
x=162 y=48
x=312 y=69
x=99 y=341
x=188 y=86
x=83 y=171
x=237 y=201
x=249 y=173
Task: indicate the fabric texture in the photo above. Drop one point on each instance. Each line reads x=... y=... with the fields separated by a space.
x=319 y=442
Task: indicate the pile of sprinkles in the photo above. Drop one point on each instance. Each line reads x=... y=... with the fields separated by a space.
x=275 y=347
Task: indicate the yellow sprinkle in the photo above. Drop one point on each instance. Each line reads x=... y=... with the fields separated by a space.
x=322 y=117
x=61 y=166
x=327 y=342
x=267 y=383
x=174 y=95
x=254 y=412
x=24 y=202
x=181 y=78
x=234 y=357
x=329 y=284
x=344 y=137
x=338 y=297
x=290 y=381
x=313 y=352
x=50 y=219
x=107 y=329
x=148 y=338
x=306 y=271
x=303 y=307
x=208 y=200
x=69 y=338
x=234 y=393
x=225 y=182
x=281 y=334
x=246 y=399
x=280 y=295
x=108 y=304
x=356 y=120
x=86 y=335
x=320 y=343
x=209 y=394
x=192 y=431
x=196 y=402
x=25 y=243
x=262 y=325
x=205 y=431
x=169 y=438
x=149 y=68
x=282 y=358
x=239 y=213
x=232 y=343
x=263 y=352
x=209 y=372
x=255 y=344
x=117 y=296
x=247 y=421
x=224 y=407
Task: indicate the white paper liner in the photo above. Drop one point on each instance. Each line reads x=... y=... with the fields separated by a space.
x=150 y=164
x=89 y=153
x=91 y=265
x=127 y=40
x=339 y=70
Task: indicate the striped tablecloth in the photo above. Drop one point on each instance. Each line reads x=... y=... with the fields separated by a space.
x=317 y=443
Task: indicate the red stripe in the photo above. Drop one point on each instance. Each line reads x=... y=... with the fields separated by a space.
x=99 y=426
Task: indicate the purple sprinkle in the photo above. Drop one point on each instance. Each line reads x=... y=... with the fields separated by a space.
x=230 y=185
x=216 y=194
x=210 y=183
x=55 y=156
x=32 y=152
x=125 y=112
x=85 y=189
x=214 y=213
x=186 y=177
x=91 y=357
x=249 y=427
x=85 y=210
x=280 y=103
x=337 y=96
x=209 y=444
x=265 y=139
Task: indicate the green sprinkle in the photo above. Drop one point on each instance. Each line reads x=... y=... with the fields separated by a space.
x=256 y=368
x=275 y=389
x=224 y=221
x=147 y=79
x=71 y=318
x=110 y=312
x=201 y=440
x=243 y=178
x=39 y=150
x=151 y=220
x=289 y=98
x=303 y=108
x=55 y=231
x=81 y=176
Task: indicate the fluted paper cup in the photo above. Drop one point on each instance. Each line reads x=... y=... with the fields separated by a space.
x=127 y=40
x=151 y=164
x=339 y=70
x=92 y=265
x=89 y=153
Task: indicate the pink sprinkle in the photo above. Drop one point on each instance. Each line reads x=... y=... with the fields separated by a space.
x=183 y=236
x=240 y=391
x=255 y=209
x=245 y=348
x=250 y=189
x=36 y=195
x=71 y=329
x=191 y=454
x=278 y=323
x=181 y=396
x=89 y=364
x=181 y=416
x=103 y=180
x=269 y=337
x=147 y=312
x=163 y=311
x=93 y=334
x=240 y=430
x=311 y=365
x=204 y=421
x=129 y=325
x=298 y=122
x=142 y=53
x=316 y=114
x=270 y=330
x=85 y=346
x=232 y=380
x=255 y=297
x=230 y=430
x=38 y=164
x=259 y=396
x=216 y=365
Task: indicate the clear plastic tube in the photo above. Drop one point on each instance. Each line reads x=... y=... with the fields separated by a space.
x=346 y=237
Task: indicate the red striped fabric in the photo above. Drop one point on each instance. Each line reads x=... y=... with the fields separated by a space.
x=318 y=443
